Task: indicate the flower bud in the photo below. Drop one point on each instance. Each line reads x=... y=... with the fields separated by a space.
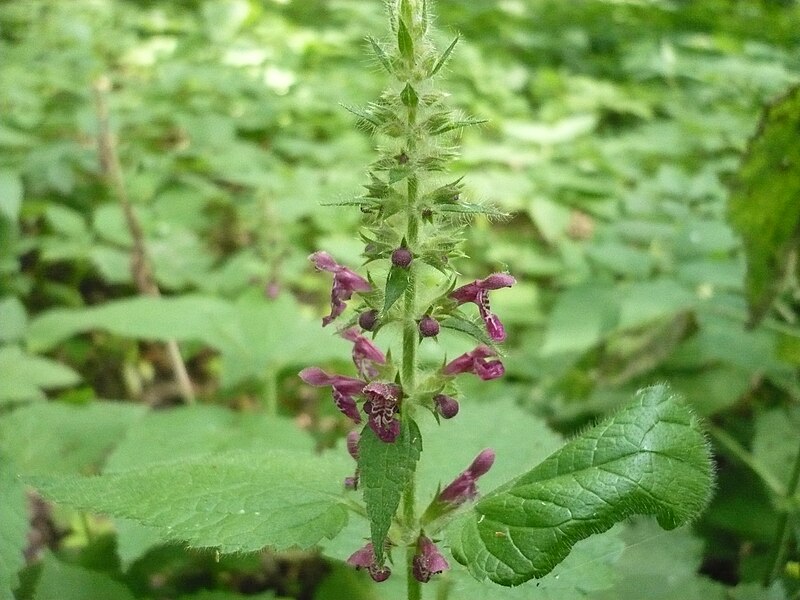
x=446 y=406
x=401 y=257
x=368 y=319
x=428 y=326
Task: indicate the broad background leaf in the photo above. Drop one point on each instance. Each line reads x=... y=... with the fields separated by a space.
x=764 y=207
x=14 y=529
x=236 y=502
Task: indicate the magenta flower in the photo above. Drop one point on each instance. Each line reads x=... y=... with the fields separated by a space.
x=344 y=389
x=364 y=558
x=365 y=354
x=464 y=487
x=381 y=407
x=475 y=362
x=428 y=561
x=345 y=282
x=478 y=292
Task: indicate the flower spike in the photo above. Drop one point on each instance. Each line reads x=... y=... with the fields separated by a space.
x=478 y=292
x=345 y=282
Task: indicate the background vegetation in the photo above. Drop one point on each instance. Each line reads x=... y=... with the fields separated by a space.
x=615 y=132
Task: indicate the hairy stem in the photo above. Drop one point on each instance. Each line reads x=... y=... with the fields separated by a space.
x=141 y=268
x=783 y=531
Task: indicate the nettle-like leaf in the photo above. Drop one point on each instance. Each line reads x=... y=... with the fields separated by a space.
x=396 y=285
x=235 y=502
x=650 y=458
x=386 y=470
x=764 y=207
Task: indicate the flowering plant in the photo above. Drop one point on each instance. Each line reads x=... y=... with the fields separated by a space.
x=412 y=231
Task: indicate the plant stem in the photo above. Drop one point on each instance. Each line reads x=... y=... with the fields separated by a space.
x=141 y=268
x=783 y=533
x=409 y=374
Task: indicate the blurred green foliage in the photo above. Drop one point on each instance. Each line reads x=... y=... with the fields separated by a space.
x=614 y=130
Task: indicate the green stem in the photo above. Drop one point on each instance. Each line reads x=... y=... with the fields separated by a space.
x=783 y=533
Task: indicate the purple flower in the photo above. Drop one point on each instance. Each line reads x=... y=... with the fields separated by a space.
x=364 y=558
x=428 y=560
x=365 y=354
x=464 y=487
x=478 y=292
x=345 y=282
x=344 y=389
x=351 y=483
x=383 y=402
x=475 y=362
x=446 y=406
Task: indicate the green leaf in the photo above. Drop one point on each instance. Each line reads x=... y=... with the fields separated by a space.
x=404 y=41
x=650 y=559
x=14 y=531
x=25 y=376
x=60 y=581
x=409 y=96
x=235 y=502
x=396 y=283
x=380 y=53
x=443 y=58
x=183 y=318
x=589 y=569
x=253 y=335
x=386 y=470
x=650 y=458
x=458 y=323
x=13 y=319
x=582 y=315
x=764 y=207
x=61 y=438
x=191 y=431
x=770 y=448
x=10 y=195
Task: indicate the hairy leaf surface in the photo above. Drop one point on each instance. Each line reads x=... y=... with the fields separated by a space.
x=650 y=458
x=237 y=502
x=386 y=469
